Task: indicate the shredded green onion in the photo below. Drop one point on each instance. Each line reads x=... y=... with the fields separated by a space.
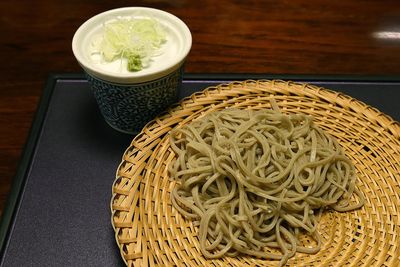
x=136 y=40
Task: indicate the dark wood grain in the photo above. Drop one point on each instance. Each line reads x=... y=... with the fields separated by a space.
x=229 y=36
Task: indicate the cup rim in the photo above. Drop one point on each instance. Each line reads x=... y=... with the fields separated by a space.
x=124 y=78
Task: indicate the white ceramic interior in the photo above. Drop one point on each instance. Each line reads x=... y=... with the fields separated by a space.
x=175 y=50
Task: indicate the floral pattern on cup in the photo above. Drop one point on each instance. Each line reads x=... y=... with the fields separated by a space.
x=128 y=108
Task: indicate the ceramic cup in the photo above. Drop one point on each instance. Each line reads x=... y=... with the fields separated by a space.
x=129 y=100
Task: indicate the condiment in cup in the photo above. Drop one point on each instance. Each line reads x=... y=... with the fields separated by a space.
x=129 y=99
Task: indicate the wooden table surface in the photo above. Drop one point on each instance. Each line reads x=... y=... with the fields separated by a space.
x=229 y=36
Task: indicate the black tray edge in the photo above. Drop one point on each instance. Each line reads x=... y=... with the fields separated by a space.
x=291 y=77
x=19 y=179
x=256 y=76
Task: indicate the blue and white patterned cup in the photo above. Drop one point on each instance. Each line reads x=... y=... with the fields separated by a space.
x=128 y=107
x=129 y=100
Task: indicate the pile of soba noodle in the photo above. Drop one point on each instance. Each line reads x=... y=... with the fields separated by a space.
x=254 y=181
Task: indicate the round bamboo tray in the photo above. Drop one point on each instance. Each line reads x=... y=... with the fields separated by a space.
x=150 y=232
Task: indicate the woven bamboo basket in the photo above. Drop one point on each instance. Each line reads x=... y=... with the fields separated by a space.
x=150 y=232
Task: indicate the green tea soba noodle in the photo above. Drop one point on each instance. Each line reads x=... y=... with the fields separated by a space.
x=254 y=181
